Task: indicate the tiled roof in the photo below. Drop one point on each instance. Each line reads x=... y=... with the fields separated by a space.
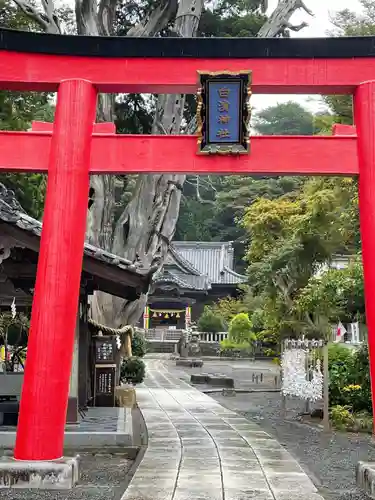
x=184 y=281
x=214 y=259
x=191 y=265
x=12 y=213
x=197 y=265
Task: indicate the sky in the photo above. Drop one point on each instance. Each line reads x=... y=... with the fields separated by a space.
x=318 y=27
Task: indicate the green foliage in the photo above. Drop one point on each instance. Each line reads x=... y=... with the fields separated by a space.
x=210 y=322
x=228 y=348
x=339 y=363
x=349 y=388
x=290 y=238
x=228 y=307
x=139 y=345
x=13 y=18
x=337 y=294
x=361 y=376
x=17 y=111
x=343 y=418
x=349 y=378
x=133 y=370
x=288 y=118
x=240 y=329
x=29 y=190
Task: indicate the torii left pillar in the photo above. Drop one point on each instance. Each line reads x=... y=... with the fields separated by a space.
x=41 y=424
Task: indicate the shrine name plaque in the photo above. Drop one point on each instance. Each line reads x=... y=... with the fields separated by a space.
x=105 y=382
x=105 y=349
x=223 y=112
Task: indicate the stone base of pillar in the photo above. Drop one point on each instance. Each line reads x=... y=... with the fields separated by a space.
x=61 y=474
x=365 y=478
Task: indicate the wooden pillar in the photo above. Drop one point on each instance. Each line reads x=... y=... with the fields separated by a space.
x=40 y=432
x=72 y=411
x=364 y=107
x=187 y=316
x=146 y=318
x=84 y=347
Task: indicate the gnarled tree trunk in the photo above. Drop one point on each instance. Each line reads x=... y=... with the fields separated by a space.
x=147 y=225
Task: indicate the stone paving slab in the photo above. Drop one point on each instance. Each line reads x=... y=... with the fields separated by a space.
x=207 y=452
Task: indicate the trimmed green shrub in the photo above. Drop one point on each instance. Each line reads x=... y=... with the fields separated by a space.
x=240 y=329
x=234 y=349
x=133 y=371
x=139 y=345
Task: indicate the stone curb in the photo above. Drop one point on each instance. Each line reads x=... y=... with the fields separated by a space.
x=221 y=381
x=239 y=391
x=60 y=474
x=198 y=363
x=79 y=440
x=365 y=478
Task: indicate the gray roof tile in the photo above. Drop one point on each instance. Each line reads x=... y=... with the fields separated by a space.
x=12 y=213
x=215 y=259
x=199 y=265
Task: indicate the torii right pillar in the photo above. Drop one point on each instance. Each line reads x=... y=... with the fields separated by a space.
x=364 y=114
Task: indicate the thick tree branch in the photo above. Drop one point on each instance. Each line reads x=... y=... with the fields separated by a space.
x=158 y=20
x=87 y=17
x=279 y=20
x=106 y=16
x=296 y=27
x=197 y=190
x=48 y=20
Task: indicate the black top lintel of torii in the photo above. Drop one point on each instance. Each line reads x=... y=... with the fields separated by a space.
x=201 y=48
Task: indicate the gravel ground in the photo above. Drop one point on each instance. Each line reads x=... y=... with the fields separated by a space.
x=103 y=477
x=330 y=461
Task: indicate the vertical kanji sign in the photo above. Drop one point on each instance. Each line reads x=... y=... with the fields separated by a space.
x=223 y=112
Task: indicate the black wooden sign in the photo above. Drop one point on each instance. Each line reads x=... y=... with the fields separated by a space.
x=105 y=349
x=223 y=112
x=105 y=382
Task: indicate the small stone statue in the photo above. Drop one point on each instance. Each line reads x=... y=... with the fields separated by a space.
x=194 y=344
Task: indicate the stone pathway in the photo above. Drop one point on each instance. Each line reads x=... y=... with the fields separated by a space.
x=198 y=450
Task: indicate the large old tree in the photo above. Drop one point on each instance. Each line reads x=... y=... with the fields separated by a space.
x=146 y=226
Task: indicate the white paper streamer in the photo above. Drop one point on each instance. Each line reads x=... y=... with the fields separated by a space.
x=295 y=381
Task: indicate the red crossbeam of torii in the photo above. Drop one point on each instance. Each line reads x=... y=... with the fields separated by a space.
x=77 y=148
x=111 y=154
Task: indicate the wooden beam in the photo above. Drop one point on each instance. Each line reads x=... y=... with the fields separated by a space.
x=105 y=276
x=120 y=277
x=274 y=155
x=99 y=128
x=341 y=129
x=43 y=72
x=19 y=269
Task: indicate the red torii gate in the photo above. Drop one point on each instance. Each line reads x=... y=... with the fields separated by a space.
x=79 y=67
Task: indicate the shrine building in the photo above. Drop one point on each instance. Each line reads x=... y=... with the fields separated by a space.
x=94 y=373
x=194 y=274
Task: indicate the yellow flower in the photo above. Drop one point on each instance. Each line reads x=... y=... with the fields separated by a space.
x=352 y=387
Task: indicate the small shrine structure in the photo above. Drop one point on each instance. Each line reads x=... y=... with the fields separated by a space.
x=101 y=270
x=195 y=273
